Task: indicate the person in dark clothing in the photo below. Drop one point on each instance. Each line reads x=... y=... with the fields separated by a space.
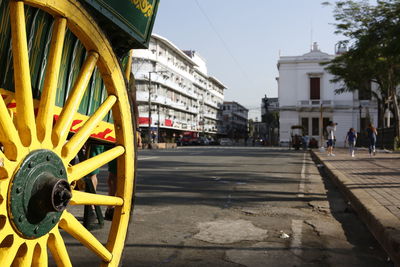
x=330 y=129
x=372 y=133
x=351 y=138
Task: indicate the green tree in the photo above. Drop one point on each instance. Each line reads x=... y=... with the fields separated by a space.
x=372 y=33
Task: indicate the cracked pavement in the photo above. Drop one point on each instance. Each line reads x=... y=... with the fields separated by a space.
x=222 y=206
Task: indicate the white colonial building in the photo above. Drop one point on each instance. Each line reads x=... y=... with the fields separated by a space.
x=307 y=98
x=182 y=96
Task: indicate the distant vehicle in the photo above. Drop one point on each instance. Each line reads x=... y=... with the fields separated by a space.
x=203 y=141
x=189 y=139
x=225 y=142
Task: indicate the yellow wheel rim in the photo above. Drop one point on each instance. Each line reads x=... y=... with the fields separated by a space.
x=30 y=132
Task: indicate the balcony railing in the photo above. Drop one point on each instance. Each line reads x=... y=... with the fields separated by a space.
x=211 y=103
x=315 y=102
x=210 y=115
x=162 y=100
x=170 y=83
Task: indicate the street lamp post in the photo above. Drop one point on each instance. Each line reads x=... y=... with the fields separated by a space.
x=321 y=127
x=158 y=124
x=149 y=130
x=149 y=103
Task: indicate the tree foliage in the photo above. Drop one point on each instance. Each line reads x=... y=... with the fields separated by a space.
x=372 y=33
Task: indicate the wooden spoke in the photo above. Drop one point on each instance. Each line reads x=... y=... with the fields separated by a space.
x=128 y=68
x=9 y=134
x=72 y=226
x=82 y=169
x=7 y=254
x=78 y=140
x=58 y=249
x=22 y=79
x=82 y=198
x=64 y=122
x=49 y=65
x=44 y=119
x=40 y=257
x=3 y=202
x=24 y=256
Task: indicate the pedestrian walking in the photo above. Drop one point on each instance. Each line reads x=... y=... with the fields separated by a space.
x=304 y=142
x=351 y=138
x=331 y=128
x=372 y=133
x=153 y=136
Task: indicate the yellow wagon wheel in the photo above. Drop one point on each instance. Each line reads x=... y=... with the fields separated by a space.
x=36 y=180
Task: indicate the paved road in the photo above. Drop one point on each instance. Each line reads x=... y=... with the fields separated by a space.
x=223 y=206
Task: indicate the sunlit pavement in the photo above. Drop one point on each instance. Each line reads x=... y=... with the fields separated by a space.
x=236 y=206
x=372 y=184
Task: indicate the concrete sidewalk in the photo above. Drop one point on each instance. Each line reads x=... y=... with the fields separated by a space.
x=372 y=185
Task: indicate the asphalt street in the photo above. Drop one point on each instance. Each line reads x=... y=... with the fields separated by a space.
x=238 y=206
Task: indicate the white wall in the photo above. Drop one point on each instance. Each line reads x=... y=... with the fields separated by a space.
x=286 y=120
x=294 y=86
x=345 y=120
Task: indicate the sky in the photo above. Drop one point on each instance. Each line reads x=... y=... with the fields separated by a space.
x=241 y=40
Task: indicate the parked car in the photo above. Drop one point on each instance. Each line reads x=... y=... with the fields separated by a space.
x=225 y=142
x=189 y=139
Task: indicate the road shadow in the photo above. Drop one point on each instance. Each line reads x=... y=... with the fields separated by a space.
x=183 y=180
x=355 y=230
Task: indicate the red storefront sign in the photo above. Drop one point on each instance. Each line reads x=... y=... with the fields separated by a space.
x=168 y=123
x=144 y=120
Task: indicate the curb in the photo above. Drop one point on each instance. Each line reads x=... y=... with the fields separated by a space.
x=158 y=146
x=384 y=226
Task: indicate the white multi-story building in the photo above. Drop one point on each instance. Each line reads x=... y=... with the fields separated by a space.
x=182 y=97
x=211 y=92
x=307 y=98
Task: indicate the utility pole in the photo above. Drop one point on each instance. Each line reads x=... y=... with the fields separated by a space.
x=321 y=127
x=158 y=124
x=203 y=121
x=149 y=130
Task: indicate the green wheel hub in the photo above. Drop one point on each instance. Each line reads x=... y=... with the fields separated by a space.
x=39 y=194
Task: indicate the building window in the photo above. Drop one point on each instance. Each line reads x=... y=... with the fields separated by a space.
x=315 y=126
x=315 y=87
x=304 y=124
